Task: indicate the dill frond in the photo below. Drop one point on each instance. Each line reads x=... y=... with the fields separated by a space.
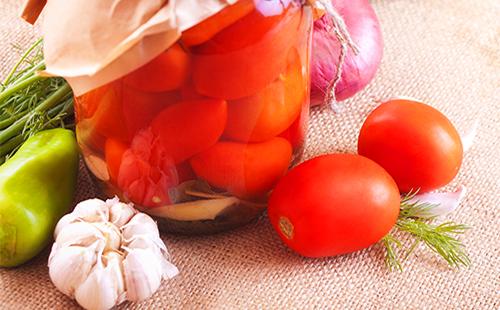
x=30 y=103
x=440 y=238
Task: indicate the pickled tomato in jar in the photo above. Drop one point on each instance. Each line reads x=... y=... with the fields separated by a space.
x=199 y=136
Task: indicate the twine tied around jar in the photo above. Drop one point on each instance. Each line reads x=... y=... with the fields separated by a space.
x=340 y=31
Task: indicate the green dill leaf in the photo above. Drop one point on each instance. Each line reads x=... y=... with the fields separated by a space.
x=391 y=258
x=439 y=238
x=415 y=209
x=415 y=219
x=30 y=103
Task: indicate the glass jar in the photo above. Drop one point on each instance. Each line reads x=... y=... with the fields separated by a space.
x=199 y=136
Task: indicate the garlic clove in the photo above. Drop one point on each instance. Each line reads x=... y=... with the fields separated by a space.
x=443 y=203
x=92 y=210
x=104 y=287
x=111 y=233
x=140 y=224
x=63 y=222
x=469 y=136
x=154 y=244
x=145 y=242
x=143 y=274
x=120 y=213
x=97 y=166
x=70 y=266
x=114 y=262
x=96 y=292
x=80 y=234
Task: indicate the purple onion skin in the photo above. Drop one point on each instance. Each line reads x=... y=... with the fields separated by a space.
x=358 y=70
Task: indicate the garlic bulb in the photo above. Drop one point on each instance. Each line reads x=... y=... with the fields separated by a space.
x=106 y=252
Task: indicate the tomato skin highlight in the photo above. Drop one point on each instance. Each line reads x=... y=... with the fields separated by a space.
x=189 y=127
x=245 y=170
x=414 y=142
x=164 y=73
x=334 y=204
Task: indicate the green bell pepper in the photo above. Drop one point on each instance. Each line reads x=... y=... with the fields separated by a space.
x=37 y=186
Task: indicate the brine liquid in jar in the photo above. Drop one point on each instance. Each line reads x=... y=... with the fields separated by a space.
x=200 y=135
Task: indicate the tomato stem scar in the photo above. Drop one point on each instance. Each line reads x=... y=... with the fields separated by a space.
x=286 y=227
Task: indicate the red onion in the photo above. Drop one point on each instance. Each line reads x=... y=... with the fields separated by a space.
x=357 y=70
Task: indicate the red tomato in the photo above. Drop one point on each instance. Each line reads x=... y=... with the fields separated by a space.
x=189 y=127
x=140 y=108
x=166 y=72
x=245 y=170
x=86 y=104
x=113 y=154
x=104 y=112
x=334 y=204
x=118 y=111
x=146 y=172
x=205 y=30
x=237 y=62
x=115 y=150
x=414 y=142
x=271 y=110
x=188 y=92
x=296 y=133
x=185 y=172
x=99 y=116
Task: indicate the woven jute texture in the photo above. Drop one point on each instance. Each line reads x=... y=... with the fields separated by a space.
x=446 y=53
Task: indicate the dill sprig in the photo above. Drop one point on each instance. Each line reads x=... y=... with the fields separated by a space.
x=30 y=102
x=415 y=219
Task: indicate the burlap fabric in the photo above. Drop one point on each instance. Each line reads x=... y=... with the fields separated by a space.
x=446 y=53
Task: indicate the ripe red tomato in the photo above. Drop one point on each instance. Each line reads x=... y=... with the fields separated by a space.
x=113 y=154
x=185 y=172
x=237 y=63
x=140 y=108
x=144 y=163
x=118 y=112
x=296 y=133
x=245 y=170
x=146 y=172
x=102 y=110
x=271 y=110
x=205 y=30
x=189 y=127
x=414 y=142
x=164 y=73
x=334 y=204
x=188 y=92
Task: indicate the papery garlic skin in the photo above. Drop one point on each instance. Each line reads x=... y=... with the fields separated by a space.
x=106 y=252
x=442 y=202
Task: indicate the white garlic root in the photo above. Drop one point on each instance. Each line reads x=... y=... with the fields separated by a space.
x=106 y=252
